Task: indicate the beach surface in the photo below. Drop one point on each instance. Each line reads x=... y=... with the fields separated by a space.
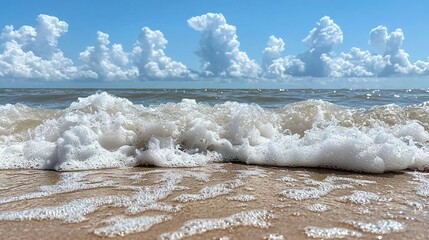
x=216 y=201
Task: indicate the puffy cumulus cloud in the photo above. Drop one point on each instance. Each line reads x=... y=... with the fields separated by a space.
x=356 y=63
x=276 y=66
x=320 y=41
x=151 y=60
x=314 y=62
x=273 y=51
x=320 y=61
x=31 y=52
x=324 y=35
x=284 y=67
x=107 y=63
x=219 y=48
x=390 y=45
x=384 y=41
x=41 y=40
x=392 y=60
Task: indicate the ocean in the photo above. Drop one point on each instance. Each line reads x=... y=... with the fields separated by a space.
x=214 y=163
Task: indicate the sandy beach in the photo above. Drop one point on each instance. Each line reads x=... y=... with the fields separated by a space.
x=218 y=201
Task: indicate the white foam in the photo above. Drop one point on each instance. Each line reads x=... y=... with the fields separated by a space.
x=255 y=218
x=242 y=198
x=363 y=198
x=362 y=211
x=211 y=191
x=274 y=236
x=379 y=227
x=322 y=188
x=335 y=232
x=73 y=211
x=103 y=131
x=257 y=172
x=121 y=226
x=318 y=207
x=143 y=199
x=69 y=182
x=224 y=238
x=287 y=179
x=422 y=183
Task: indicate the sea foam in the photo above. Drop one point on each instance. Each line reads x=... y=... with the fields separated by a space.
x=104 y=131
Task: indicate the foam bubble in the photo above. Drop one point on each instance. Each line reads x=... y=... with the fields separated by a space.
x=69 y=182
x=422 y=183
x=274 y=236
x=255 y=218
x=73 y=211
x=211 y=191
x=121 y=226
x=363 y=198
x=318 y=207
x=242 y=198
x=322 y=188
x=335 y=232
x=379 y=227
x=286 y=179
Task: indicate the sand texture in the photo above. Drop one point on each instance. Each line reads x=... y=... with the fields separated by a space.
x=218 y=201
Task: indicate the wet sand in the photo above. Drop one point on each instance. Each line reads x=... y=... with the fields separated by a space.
x=218 y=201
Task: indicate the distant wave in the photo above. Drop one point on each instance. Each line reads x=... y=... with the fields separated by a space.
x=104 y=131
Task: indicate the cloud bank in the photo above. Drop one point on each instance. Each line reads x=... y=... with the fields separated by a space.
x=32 y=53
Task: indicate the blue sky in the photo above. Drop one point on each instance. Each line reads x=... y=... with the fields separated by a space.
x=255 y=22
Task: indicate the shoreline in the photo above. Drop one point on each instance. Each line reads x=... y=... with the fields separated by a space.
x=235 y=200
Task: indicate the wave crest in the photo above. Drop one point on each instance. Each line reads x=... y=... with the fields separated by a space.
x=104 y=131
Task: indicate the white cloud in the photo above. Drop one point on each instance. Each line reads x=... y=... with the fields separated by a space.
x=320 y=41
x=390 y=46
x=105 y=63
x=150 y=57
x=392 y=60
x=31 y=52
x=276 y=66
x=273 y=51
x=219 y=48
x=356 y=63
x=324 y=36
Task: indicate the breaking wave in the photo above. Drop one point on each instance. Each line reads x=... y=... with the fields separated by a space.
x=104 y=131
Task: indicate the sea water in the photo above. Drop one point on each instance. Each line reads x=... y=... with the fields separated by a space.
x=229 y=149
